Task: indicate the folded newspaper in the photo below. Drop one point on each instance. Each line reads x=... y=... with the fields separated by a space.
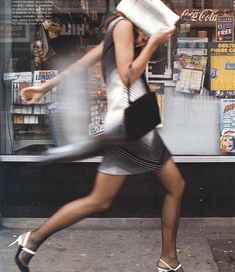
x=150 y=16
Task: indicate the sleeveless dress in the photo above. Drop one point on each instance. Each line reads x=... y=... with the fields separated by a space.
x=146 y=154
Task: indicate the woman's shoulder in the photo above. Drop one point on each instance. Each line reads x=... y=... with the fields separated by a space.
x=123 y=24
x=124 y=21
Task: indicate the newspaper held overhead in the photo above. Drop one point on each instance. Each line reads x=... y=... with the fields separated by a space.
x=150 y=16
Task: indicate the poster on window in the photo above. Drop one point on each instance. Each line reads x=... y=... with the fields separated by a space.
x=222 y=70
x=227 y=126
x=224 y=29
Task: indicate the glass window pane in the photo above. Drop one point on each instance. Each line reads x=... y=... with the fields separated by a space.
x=39 y=39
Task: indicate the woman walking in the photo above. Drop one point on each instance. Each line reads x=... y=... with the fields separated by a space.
x=127 y=47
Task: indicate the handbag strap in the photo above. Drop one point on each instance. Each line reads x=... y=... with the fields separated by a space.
x=129 y=73
x=110 y=31
x=108 y=41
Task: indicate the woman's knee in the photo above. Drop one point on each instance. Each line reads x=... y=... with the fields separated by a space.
x=172 y=179
x=99 y=204
x=105 y=189
x=104 y=205
x=179 y=186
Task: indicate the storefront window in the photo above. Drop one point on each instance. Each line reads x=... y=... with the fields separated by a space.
x=38 y=40
x=193 y=75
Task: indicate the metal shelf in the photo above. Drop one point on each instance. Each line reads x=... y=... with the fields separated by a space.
x=178 y=159
x=19 y=144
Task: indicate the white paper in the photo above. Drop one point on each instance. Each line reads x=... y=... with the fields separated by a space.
x=149 y=15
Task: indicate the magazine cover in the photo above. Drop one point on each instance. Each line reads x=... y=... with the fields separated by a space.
x=227 y=126
x=18 y=82
x=189 y=73
x=98 y=99
x=158 y=88
x=17 y=86
x=41 y=76
x=20 y=76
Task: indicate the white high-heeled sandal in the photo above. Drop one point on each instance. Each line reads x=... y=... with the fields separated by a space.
x=159 y=269
x=22 y=247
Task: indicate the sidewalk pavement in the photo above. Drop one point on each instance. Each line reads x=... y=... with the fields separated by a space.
x=123 y=244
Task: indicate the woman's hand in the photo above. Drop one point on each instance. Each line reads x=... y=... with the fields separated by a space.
x=161 y=37
x=31 y=95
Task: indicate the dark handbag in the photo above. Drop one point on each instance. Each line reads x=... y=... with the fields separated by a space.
x=142 y=115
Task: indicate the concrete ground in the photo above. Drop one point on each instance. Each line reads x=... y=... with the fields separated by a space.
x=128 y=245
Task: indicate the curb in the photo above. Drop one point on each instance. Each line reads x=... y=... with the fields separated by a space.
x=121 y=223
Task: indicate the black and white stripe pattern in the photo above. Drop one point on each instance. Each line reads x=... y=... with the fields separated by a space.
x=146 y=154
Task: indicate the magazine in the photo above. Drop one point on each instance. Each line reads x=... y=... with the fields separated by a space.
x=18 y=82
x=227 y=126
x=98 y=99
x=41 y=76
x=150 y=16
x=158 y=88
x=21 y=76
x=189 y=73
x=21 y=114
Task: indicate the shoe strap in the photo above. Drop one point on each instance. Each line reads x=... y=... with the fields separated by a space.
x=166 y=264
x=178 y=267
x=25 y=242
x=28 y=250
x=26 y=239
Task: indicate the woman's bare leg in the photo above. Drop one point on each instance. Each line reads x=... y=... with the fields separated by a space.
x=105 y=189
x=174 y=184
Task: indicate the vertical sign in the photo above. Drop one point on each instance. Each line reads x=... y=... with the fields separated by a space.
x=224 y=29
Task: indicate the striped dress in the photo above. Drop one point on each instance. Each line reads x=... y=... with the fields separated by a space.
x=146 y=154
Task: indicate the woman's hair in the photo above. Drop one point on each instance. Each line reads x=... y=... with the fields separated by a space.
x=112 y=17
x=115 y=15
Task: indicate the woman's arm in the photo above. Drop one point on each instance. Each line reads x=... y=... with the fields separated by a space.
x=124 y=49
x=31 y=95
x=87 y=60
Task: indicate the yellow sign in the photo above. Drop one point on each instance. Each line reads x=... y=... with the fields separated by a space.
x=222 y=67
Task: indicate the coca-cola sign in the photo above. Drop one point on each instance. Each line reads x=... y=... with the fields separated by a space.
x=199 y=16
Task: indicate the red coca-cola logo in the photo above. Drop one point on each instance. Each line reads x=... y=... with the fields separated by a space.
x=203 y=15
